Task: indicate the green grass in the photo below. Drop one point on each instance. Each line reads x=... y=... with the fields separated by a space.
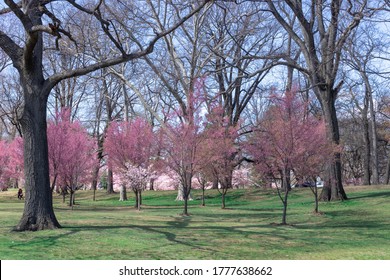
x=358 y=228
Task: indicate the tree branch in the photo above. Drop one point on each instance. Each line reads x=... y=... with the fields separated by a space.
x=53 y=80
x=11 y=49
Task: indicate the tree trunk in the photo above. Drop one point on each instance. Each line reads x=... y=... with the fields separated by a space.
x=139 y=200
x=123 y=193
x=286 y=187
x=180 y=194
x=185 y=210
x=215 y=183
x=95 y=181
x=187 y=191
x=315 y=193
x=374 y=141
x=38 y=211
x=136 y=199
x=226 y=184
x=203 y=199
x=387 y=176
x=285 y=200
x=367 y=150
x=63 y=193
x=151 y=184
x=223 y=206
x=333 y=186
x=110 y=181
x=71 y=198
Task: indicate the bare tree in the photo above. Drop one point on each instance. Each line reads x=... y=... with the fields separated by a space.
x=243 y=42
x=321 y=32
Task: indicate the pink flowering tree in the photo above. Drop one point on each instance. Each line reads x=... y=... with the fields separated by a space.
x=71 y=154
x=180 y=142
x=219 y=151
x=129 y=144
x=11 y=162
x=4 y=161
x=137 y=178
x=288 y=142
x=16 y=163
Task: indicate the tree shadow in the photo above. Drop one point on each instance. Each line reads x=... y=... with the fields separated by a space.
x=371 y=195
x=42 y=242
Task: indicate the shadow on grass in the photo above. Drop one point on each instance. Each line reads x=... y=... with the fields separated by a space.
x=42 y=242
x=180 y=231
x=371 y=195
x=342 y=219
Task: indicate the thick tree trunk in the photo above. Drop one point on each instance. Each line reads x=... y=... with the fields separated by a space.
x=215 y=183
x=110 y=181
x=180 y=194
x=333 y=186
x=38 y=211
x=123 y=193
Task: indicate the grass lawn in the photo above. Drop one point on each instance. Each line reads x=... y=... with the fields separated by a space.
x=358 y=228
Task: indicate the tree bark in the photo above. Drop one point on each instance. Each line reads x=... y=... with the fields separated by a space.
x=139 y=200
x=387 y=176
x=151 y=184
x=38 y=211
x=367 y=150
x=95 y=181
x=374 y=139
x=215 y=183
x=180 y=194
x=123 y=193
x=136 y=199
x=333 y=186
x=223 y=205
x=203 y=198
x=110 y=181
x=285 y=200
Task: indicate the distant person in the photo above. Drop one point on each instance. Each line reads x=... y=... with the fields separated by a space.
x=20 y=193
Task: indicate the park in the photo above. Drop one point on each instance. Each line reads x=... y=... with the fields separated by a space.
x=210 y=129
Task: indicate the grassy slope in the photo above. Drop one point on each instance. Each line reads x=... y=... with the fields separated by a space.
x=109 y=229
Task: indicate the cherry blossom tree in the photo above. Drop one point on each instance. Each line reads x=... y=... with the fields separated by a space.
x=219 y=151
x=129 y=144
x=137 y=178
x=289 y=142
x=11 y=162
x=4 y=159
x=71 y=154
x=181 y=139
x=15 y=165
